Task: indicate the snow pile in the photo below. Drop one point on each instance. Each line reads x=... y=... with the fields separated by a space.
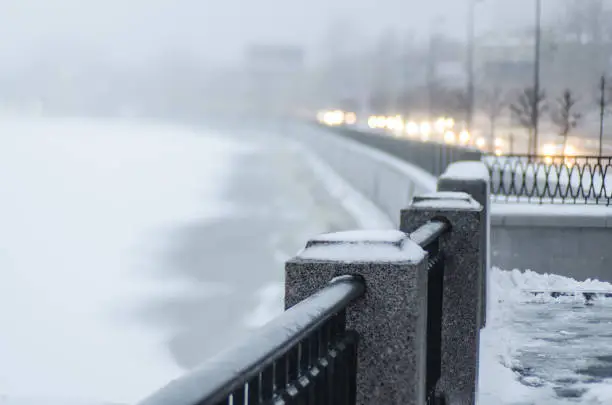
x=499 y=342
x=529 y=282
x=84 y=211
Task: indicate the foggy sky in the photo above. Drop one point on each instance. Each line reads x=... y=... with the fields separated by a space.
x=130 y=30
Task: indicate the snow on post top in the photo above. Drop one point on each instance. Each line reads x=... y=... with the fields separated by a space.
x=472 y=170
x=443 y=195
x=446 y=199
x=363 y=246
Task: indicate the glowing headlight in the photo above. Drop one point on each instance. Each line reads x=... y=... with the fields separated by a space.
x=350 y=118
x=412 y=128
x=440 y=125
x=464 y=137
x=449 y=137
x=425 y=128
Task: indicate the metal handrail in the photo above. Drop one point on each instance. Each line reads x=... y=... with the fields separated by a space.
x=220 y=376
x=429 y=232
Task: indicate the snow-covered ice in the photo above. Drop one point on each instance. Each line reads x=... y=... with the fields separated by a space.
x=83 y=208
x=544 y=350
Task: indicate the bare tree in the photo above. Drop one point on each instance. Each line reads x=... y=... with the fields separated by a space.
x=564 y=115
x=524 y=113
x=494 y=104
x=452 y=101
x=604 y=102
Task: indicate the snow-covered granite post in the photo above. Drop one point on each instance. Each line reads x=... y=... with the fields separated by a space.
x=390 y=319
x=473 y=178
x=461 y=302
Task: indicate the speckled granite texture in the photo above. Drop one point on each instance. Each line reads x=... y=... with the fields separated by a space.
x=478 y=188
x=390 y=319
x=461 y=306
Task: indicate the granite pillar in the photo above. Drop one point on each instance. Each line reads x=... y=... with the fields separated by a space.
x=390 y=319
x=461 y=297
x=473 y=178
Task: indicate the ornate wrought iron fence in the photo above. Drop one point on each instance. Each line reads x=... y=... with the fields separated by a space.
x=551 y=179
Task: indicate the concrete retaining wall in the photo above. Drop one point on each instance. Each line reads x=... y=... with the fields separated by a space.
x=388 y=182
x=569 y=240
x=429 y=156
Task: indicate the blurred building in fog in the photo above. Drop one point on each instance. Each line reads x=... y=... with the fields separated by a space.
x=507 y=60
x=273 y=82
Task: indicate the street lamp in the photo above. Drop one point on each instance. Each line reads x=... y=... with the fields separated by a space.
x=470 y=62
x=432 y=61
x=536 y=79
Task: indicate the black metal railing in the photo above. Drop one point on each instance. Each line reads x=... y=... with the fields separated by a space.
x=304 y=356
x=428 y=237
x=551 y=179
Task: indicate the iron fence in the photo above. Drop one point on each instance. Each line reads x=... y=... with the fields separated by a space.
x=551 y=179
x=304 y=356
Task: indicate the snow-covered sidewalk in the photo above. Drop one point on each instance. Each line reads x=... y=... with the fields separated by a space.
x=544 y=350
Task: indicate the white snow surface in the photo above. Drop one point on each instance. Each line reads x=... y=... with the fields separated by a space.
x=83 y=210
x=364 y=211
x=448 y=203
x=382 y=235
x=364 y=245
x=467 y=171
x=531 y=281
x=364 y=252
